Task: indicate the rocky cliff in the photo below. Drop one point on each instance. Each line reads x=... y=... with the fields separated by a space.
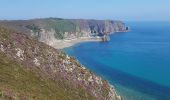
x=51 y=29
x=32 y=70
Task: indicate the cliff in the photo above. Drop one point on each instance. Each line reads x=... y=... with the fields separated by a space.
x=49 y=30
x=32 y=70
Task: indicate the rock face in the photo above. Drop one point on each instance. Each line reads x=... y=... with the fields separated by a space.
x=51 y=29
x=60 y=76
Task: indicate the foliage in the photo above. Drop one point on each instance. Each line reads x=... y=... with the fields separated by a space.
x=5 y=33
x=25 y=83
x=61 y=26
x=34 y=28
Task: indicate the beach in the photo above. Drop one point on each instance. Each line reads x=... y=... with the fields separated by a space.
x=61 y=44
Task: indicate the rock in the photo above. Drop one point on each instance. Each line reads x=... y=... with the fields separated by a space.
x=2 y=48
x=20 y=53
x=36 y=62
x=90 y=79
x=98 y=80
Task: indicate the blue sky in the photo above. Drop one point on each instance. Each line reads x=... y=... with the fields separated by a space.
x=127 y=10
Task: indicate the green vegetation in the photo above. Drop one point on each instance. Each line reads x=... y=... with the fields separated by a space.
x=16 y=82
x=35 y=29
x=64 y=28
x=61 y=26
x=5 y=33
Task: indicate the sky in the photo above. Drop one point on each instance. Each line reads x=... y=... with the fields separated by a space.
x=127 y=10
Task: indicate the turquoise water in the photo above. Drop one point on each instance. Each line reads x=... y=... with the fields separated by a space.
x=137 y=63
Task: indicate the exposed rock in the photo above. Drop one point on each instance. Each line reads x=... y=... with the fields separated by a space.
x=36 y=62
x=2 y=48
x=20 y=53
x=47 y=36
x=90 y=79
x=98 y=80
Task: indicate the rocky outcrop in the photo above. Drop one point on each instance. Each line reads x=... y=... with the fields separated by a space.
x=100 y=26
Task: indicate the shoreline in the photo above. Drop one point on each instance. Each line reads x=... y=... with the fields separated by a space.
x=61 y=44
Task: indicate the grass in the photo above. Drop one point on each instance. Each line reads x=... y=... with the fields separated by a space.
x=17 y=82
x=61 y=26
x=5 y=33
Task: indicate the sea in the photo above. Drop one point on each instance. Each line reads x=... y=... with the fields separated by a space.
x=137 y=62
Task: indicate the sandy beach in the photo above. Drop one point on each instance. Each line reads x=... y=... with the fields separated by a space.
x=61 y=44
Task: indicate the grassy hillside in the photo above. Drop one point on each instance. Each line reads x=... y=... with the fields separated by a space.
x=31 y=70
x=17 y=82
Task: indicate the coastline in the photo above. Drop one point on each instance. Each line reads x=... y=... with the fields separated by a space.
x=61 y=44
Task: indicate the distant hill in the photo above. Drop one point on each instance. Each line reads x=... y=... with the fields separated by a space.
x=48 y=30
x=32 y=70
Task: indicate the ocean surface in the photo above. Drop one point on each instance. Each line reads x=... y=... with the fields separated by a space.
x=137 y=62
